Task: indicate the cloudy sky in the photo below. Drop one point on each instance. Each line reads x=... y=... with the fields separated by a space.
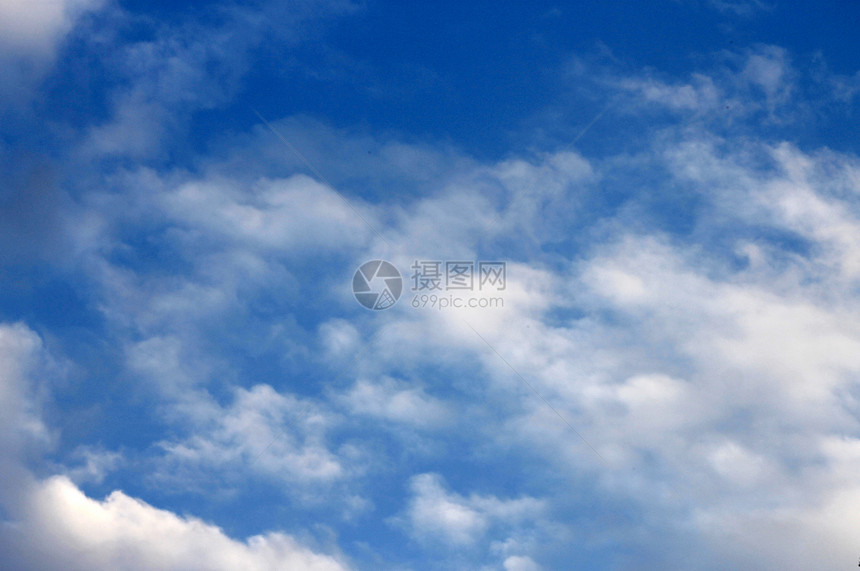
x=670 y=378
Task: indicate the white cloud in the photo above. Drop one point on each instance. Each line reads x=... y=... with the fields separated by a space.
x=296 y=213
x=769 y=68
x=436 y=514
x=261 y=431
x=182 y=70
x=62 y=528
x=519 y=563
x=235 y=241
x=339 y=338
x=96 y=463
x=820 y=534
x=396 y=401
x=755 y=80
x=190 y=67
x=700 y=95
x=51 y=524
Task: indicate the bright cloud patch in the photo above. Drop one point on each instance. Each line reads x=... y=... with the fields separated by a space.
x=64 y=528
x=435 y=513
x=258 y=431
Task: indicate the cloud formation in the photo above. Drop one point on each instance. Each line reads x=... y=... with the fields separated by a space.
x=51 y=524
x=671 y=381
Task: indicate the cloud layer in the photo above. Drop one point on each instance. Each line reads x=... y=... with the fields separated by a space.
x=672 y=381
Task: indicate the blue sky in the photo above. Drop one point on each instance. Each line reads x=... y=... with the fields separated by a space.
x=669 y=379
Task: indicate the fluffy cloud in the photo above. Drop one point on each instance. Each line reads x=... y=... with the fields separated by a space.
x=436 y=514
x=517 y=563
x=51 y=524
x=701 y=94
x=64 y=529
x=759 y=81
x=267 y=216
x=261 y=431
x=396 y=402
